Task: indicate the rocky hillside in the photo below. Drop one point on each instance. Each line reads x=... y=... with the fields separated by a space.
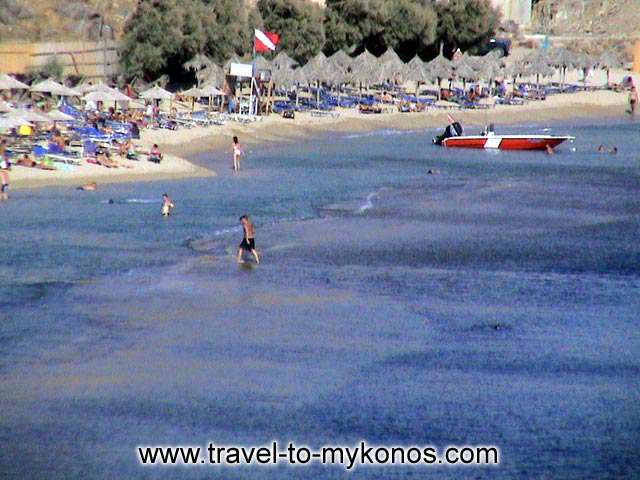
x=51 y=20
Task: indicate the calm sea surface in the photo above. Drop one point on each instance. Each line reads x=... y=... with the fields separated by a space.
x=496 y=302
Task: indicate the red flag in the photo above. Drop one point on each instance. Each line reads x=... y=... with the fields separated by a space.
x=265 y=41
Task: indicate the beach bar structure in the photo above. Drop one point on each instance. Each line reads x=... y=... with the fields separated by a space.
x=92 y=60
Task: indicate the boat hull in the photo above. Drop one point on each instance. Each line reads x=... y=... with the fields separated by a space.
x=506 y=142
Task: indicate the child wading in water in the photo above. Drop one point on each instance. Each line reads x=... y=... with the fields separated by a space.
x=167 y=205
x=248 y=240
x=237 y=152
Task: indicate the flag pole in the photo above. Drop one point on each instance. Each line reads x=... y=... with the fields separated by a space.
x=253 y=73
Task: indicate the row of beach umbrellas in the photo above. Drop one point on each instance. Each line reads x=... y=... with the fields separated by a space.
x=368 y=69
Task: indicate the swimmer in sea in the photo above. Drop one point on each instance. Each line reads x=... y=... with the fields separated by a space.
x=248 y=240
x=550 y=150
x=167 y=205
x=237 y=152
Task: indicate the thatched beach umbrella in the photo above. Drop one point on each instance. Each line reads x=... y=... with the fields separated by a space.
x=391 y=63
x=58 y=116
x=7 y=123
x=282 y=60
x=609 y=60
x=198 y=62
x=212 y=73
x=415 y=70
x=440 y=68
x=538 y=68
x=363 y=67
x=341 y=60
x=562 y=59
x=515 y=70
x=54 y=88
x=7 y=82
x=28 y=115
x=156 y=93
x=262 y=63
x=321 y=70
x=466 y=72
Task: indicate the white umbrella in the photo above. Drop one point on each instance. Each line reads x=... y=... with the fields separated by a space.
x=7 y=123
x=28 y=115
x=157 y=93
x=106 y=96
x=54 y=88
x=58 y=116
x=193 y=92
x=9 y=83
x=210 y=91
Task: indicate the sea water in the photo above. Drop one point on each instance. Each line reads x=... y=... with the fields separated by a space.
x=494 y=301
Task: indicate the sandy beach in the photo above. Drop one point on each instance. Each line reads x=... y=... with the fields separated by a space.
x=182 y=144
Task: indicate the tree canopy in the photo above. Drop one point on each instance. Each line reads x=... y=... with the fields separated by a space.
x=465 y=24
x=407 y=26
x=161 y=35
x=299 y=24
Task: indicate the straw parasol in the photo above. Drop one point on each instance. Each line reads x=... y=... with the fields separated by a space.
x=54 y=88
x=341 y=60
x=198 y=62
x=415 y=70
x=562 y=59
x=262 y=63
x=106 y=96
x=156 y=93
x=440 y=68
x=539 y=68
x=58 y=116
x=363 y=67
x=210 y=91
x=465 y=71
x=193 y=92
x=608 y=60
x=282 y=60
x=28 y=115
x=391 y=63
x=211 y=74
x=7 y=123
x=9 y=83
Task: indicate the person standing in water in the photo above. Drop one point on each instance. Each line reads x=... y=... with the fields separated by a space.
x=248 y=240
x=633 y=98
x=167 y=205
x=237 y=152
x=4 y=170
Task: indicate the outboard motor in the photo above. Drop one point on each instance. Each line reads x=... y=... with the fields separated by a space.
x=452 y=130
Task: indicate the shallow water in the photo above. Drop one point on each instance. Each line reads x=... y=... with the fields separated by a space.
x=493 y=303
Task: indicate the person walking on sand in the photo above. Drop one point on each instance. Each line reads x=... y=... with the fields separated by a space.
x=248 y=240
x=167 y=205
x=237 y=152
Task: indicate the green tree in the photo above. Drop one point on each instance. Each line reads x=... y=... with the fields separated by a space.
x=152 y=40
x=226 y=26
x=465 y=24
x=408 y=26
x=298 y=23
